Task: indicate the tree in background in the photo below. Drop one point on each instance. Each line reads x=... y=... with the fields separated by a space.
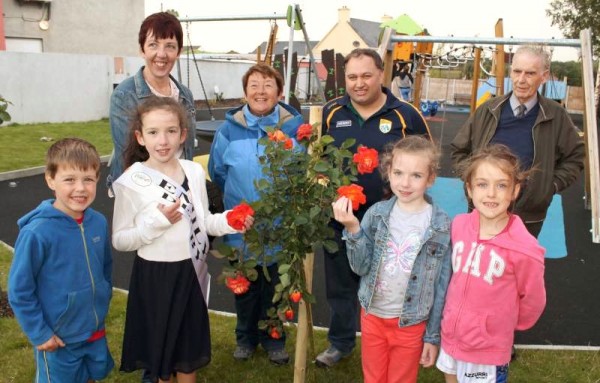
x=569 y=69
x=572 y=16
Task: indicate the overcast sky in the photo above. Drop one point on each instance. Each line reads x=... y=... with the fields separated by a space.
x=461 y=18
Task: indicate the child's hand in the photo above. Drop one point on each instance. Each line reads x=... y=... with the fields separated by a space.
x=248 y=222
x=342 y=212
x=429 y=355
x=171 y=212
x=51 y=344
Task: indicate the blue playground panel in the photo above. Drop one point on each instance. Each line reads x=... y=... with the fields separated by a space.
x=449 y=194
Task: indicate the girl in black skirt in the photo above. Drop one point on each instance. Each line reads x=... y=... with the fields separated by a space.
x=161 y=212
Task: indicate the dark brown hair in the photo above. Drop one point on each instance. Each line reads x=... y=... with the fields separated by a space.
x=73 y=152
x=410 y=144
x=267 y=71
x=162 y=25
x=356 y=53
x=134 y=152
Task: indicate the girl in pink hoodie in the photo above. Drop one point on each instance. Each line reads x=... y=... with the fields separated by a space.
x=497 y=285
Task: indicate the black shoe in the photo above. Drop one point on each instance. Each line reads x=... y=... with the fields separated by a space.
x=147 y=378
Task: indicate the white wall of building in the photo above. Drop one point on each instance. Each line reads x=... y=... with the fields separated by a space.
x=107 y=27
x=57 y=87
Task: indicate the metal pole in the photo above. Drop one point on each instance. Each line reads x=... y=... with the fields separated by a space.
x=310 y=53
x=288 y=72
x=487 y=40
x=237 y=18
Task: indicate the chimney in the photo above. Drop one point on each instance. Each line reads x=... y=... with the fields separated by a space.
x=385 y=18
x=343 y=15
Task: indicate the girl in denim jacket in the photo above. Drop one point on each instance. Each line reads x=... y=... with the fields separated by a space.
x=401 y=250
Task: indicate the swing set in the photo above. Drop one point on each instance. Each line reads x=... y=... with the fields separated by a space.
x=592 y=166
x=294 y=20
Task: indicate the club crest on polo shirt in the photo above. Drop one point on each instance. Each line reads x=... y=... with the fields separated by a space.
x=343 y=123
x=385 y=125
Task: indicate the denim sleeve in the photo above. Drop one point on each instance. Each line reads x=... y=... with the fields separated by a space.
x=122 y=107
x=359 y=246
x=190 y=140
x=432 y=331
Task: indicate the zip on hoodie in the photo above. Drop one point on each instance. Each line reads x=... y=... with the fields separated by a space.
x=87 y=259
x=468 y=263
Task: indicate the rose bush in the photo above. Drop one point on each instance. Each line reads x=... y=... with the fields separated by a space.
x=292 y=215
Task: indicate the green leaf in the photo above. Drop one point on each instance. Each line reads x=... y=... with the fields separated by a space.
x=283 y=268
x=330 y=246
x=348 y=143
x=224 y=250
x=327 y=139
x=301 y=220
x=262 y=184
x=314 y=211
x=309 y=298
x=252 y=274
x=321 y=167
x=217 y=254
x=346 y=153
x=284 y=279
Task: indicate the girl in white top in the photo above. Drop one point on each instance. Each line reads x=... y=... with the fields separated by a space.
x=161 y=211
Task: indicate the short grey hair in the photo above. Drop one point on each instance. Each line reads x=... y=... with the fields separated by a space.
x=536 y=50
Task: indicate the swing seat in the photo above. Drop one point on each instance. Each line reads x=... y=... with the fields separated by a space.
x=208 y=128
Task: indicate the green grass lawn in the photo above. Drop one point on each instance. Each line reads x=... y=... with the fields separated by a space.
x=21 y=147
x=16 y=356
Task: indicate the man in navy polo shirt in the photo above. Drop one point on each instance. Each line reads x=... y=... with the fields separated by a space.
x=373 y=116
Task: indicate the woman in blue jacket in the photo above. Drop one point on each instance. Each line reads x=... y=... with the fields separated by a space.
x=234 y=166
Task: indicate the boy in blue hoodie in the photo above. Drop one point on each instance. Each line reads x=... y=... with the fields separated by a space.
x=59 y=285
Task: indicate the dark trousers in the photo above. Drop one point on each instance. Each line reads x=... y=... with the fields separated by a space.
x=534 y=228
x=341 y=286
x=252 y=307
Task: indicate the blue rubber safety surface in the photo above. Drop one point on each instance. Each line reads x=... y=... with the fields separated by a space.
x=449 y=194
x=572 y=283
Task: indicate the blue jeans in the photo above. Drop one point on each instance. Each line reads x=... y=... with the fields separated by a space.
x=252 y=307
x=341 y=286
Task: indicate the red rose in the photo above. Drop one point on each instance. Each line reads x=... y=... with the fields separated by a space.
x=296 y=296
x=304 y=131
x=277 y=136
x=239 y=285
x=274 y=333
x=289 y=314
x=354 y=193
x=366 y=159
x=236 y=217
